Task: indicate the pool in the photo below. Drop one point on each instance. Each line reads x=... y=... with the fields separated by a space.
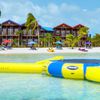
x=42 y=87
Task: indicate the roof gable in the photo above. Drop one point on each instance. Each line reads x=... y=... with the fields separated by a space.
x=10 y=23
x=78 y=26
x=63 y=25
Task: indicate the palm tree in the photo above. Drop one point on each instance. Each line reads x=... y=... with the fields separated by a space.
x=31 y=24
x=57 y=38
x=20 y=33
x=44 y=41
x=71 y=40
x=48 y=36
x=83 y=32
x=96 y=40
x=47 y=39
x=15 y=42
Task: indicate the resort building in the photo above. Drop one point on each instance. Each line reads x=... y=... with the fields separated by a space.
x=38 y=33
x=62 y=30
x=20 y=36
x=8 y=30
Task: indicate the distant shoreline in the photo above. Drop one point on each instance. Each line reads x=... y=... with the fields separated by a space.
x=44 y=50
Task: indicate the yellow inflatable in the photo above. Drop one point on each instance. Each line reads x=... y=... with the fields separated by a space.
x=93 y=73
x=50 y=50
x=37 y=67
x=88 y=69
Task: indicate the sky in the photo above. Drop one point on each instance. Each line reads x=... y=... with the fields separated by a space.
x=54 y=12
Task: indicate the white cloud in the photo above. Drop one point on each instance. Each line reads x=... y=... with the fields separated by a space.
x=51 y=14
x=10 y=9
x=53 y=9
x=69 y=8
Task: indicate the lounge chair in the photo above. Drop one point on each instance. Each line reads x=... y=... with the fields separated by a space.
x=82 y=49
x=9 y=47
x=59 y=47
x=32 y=48
x=2 y=48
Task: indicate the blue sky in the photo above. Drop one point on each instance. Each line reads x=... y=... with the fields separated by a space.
x=54 y=12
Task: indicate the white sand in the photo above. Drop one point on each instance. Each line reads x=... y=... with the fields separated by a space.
x=44 y=50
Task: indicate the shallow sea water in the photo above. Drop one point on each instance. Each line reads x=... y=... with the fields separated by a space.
x=42 y=87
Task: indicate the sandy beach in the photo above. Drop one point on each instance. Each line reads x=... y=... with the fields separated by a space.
x=44 y=50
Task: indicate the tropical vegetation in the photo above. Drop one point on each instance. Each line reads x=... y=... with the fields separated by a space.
x=96 y=40
x=72 y=40
x=31 y=24
x=20 y=40
x=47 y=40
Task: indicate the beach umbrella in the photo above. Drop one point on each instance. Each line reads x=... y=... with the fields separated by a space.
x=7 y=41
x=59 y=45
x=58 y=42
x=31 y=43
x=87 y=42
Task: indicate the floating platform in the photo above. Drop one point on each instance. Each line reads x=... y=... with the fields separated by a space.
x=85 y=69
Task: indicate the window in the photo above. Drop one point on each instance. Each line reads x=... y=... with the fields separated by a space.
x=68 y=31
x=16 y=29
x=30 y=32
x=10 y=30
x=57 y=32
x=63 y=33
x=74 y=33
x=4 y=31
x=24 y=31
x=36 y=32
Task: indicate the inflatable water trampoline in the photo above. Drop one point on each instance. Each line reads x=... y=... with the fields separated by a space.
x=85 y=69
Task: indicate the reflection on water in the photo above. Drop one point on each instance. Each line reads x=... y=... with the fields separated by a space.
x=42 y=87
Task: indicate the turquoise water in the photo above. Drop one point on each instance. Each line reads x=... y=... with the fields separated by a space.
x=42 y=87
x=36 y=57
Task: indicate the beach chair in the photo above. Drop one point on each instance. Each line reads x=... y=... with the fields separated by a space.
x=32 y=47
x=59 y=47
x=2 y=48
x=82 y=49
x=9 y=47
